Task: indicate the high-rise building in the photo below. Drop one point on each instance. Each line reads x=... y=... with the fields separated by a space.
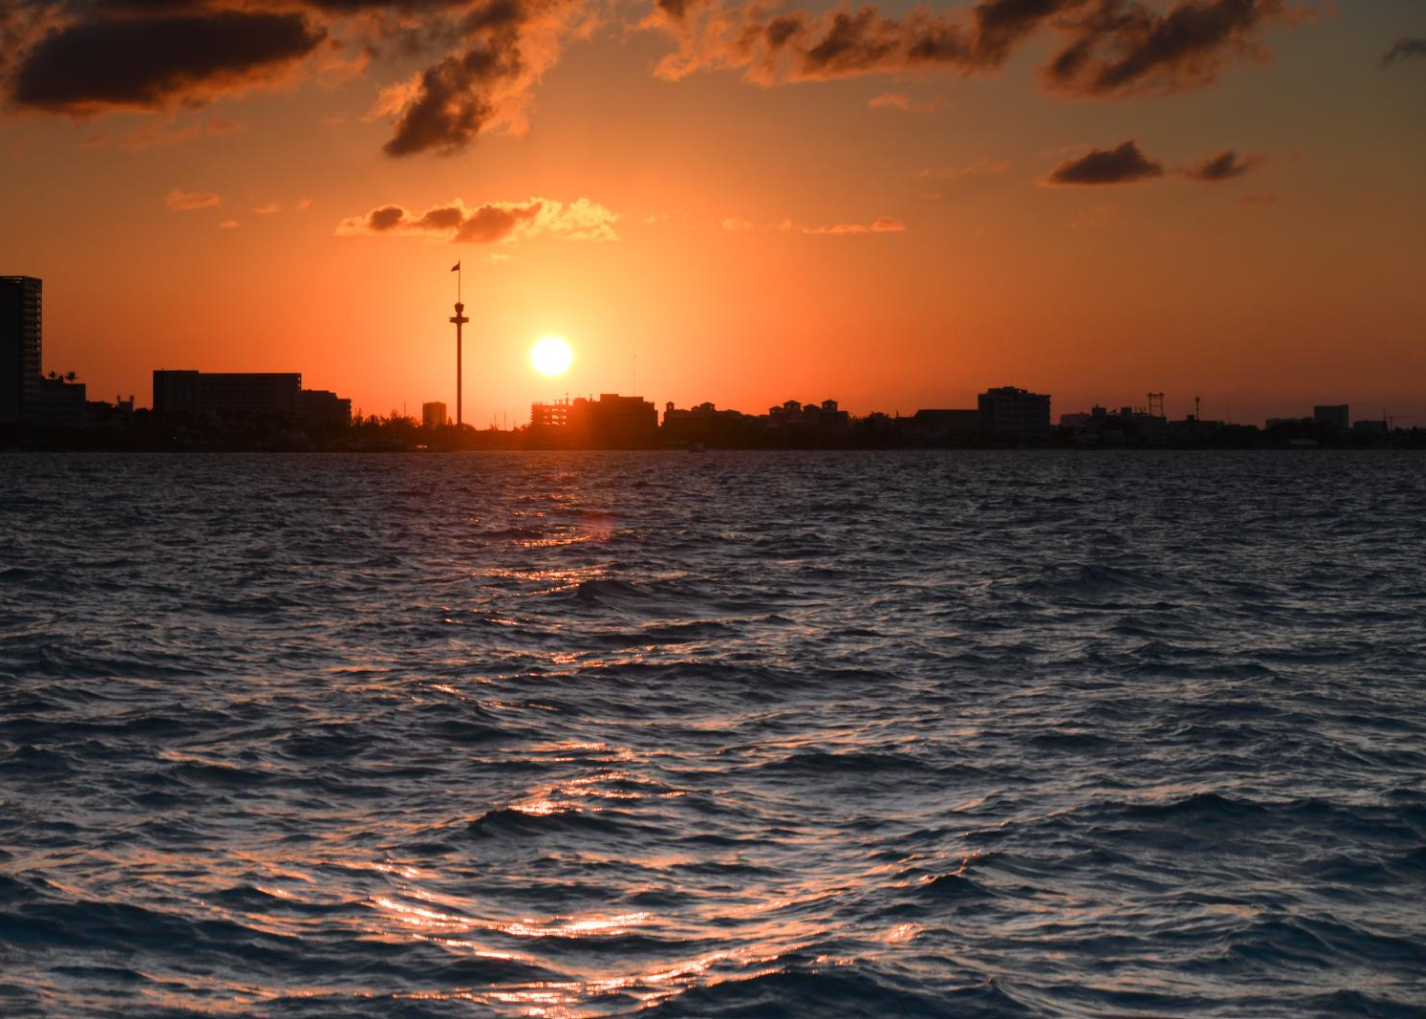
x=1010 y=413
x=21 y=349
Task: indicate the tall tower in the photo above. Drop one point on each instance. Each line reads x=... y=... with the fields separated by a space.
x=21 y=348
x=459 y=319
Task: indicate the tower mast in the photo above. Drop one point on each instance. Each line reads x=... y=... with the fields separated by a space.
x=459 y=319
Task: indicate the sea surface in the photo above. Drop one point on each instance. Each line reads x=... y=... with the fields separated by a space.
x=734 y=734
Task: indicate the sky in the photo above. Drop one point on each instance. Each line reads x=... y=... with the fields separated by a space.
x=892 y=206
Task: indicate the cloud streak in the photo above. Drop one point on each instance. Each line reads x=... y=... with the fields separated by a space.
x=1224 y=166
x=1406 y=48
x=178 y=200
x=491 y=223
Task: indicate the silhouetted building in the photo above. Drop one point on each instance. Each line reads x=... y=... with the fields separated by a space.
x=320 y=407
x=116 y=415
x=62 y=404
x=930 y=427
x=21 y=347
x=1010 y=413
x=226 y=394
x=1371 y=427
x=611 y=422
x=433 y=415
x=706 y=425
x=1338 y=416
x=810 y=423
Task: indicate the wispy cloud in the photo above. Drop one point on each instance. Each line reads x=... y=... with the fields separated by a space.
x=903 y=102
x=163 y=131
x=1224 y=166
x=1406 y=48
x=979 y=168
x=880 y=225
x=491 y=223
x=178 y=200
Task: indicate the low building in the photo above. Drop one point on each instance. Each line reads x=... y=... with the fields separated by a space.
x=1338 y=416
x=706 y=425
x=322 y=407
x=610 y=422
x=433 y=415
x=936 y=427
x=227 y=395
x=61 y=404
x=1012 y=414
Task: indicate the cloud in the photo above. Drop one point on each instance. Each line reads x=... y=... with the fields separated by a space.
x=229 y=224
x=507 y=46
x=1260 y=201
x=102 y=62
x=1121 y=47
x=903 y=102
x=304 y=204
x=979 y=168
x=270 y=209
x=1123 y=165
x=1224 y=166
x=188 y=201
x=880 y=225
x=483 y=60
x=1106 y=48
x=163 y=132
x=1406 y=48
x=492 y=223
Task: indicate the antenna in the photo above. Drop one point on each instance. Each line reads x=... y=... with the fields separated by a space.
x=1197 y=408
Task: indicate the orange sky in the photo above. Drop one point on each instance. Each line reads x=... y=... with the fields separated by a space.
x=895 y=208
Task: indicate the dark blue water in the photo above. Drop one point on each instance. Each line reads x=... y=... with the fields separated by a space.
x=940 y=734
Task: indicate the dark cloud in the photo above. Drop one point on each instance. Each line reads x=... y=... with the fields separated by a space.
x=1121 y=46
x=1406 y=48
x=388 y=217
x=151 y=62
x=1001 y=25
x=1107 y=48
x=507 y=46
x=1123 y=165
x=1224 y=166
x=484 y=59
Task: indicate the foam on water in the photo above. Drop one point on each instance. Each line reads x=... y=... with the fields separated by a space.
x=939 y=734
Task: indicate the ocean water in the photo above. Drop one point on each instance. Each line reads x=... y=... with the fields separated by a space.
x=734 y=734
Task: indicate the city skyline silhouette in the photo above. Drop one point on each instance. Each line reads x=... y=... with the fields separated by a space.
x=1235 y=219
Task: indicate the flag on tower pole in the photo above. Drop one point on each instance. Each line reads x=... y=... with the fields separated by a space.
x=456 y=267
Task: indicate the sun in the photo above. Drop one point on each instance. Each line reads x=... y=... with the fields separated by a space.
x=551 y=356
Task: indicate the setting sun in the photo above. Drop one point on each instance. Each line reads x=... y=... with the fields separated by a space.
x=551 y=356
